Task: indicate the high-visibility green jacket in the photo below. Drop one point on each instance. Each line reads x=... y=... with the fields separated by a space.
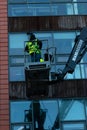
x=33 y=46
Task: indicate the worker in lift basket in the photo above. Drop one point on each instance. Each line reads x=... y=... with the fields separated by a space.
x=33 y=47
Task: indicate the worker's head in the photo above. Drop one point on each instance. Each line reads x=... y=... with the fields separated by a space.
x=32 y=36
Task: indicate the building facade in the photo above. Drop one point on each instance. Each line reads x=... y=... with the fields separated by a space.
x=4 y=82
x=63 y=106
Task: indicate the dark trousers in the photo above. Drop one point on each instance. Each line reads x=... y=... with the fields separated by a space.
x=35 y=57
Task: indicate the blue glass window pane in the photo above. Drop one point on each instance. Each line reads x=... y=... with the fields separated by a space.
x=83 y=70
x=82 y=8
x=17 y=74
x=16 y=51
x=17 y=111
x=18 y=10
x=81 y=0
x=47 y=41
x=74 y=125
x=70 y=108
x=61 y=0
x=29 y=10
x=16 y=60
x=38 y=1
x=50 y=114
x=17 y=43
x=45 y=9
x=77 y=72
x=16 y=1
x=85 y=58
x=86 y=106
x=39 y=9
x=64 y=42
x=62 y=9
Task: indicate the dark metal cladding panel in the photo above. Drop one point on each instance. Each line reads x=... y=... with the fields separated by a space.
x=46 y=23
x=62 y=89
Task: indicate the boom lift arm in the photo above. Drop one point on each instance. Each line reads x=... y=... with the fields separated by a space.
x=76 y=55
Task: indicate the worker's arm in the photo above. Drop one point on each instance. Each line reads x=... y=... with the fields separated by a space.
x=40 y=44
x=26 y=49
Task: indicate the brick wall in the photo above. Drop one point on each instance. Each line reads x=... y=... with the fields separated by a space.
x=4 y=91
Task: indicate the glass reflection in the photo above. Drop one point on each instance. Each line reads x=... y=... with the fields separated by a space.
x=66 y=39
x=70 y=108
x=36 y=114
x=41 y=114
x=61 y=9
